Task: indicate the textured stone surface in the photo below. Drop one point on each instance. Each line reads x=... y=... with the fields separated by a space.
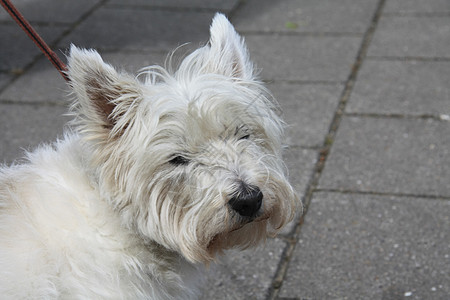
x=394 y=37
x=64 y=11
x=180 y=4
x=417 y=6
x=305 y=16
x=371 y=247
x=134 y=62
x=402 y=87
x=134 y=28
x=245 y=274
x=390 y=156
x=18 y=50
x=27 y=126
x=5 y=78
x=43 y=84
x=300 y=164
x=310 y=58
x=308 y=110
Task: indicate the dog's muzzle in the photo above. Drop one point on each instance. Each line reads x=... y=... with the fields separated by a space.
x=247 y=200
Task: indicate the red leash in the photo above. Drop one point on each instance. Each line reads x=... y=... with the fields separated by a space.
x=34 y=36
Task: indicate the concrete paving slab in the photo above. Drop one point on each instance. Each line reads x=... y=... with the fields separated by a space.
x=308 y=110
x=42 y=83
x=133 y=62
x=50 y=11
x=18 y=50
x=5 y=79
x=417 y=6
x=245 y=274
x=390 y=155
x=300 y=164
x=371 y=247
x=343 y=16
x=140 y=29
x=304 y=58
x=180 y=4
x=26 y=127
x=402 y=87
x=412 y=37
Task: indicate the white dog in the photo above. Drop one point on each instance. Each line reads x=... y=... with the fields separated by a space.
x=158 y=175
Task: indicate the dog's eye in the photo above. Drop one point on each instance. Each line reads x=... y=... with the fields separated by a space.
x=242 y=133
x=179 y=160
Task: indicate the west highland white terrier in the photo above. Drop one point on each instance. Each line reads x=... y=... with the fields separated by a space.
x=159 y=174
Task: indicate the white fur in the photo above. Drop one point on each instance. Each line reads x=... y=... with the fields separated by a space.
x=107 y=213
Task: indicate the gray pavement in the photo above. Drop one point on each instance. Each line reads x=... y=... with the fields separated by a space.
x=365 y=89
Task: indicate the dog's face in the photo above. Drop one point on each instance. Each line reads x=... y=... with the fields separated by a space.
x=191 y=160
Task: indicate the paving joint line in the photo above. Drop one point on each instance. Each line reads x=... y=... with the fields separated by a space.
x=162 y=8
x=49 y=103
x=417 y=14
x=38 y=23
x=304 y=82
x=323 y=153
x=442 y=117
x=303 y=147
x=387 y=194
x=8 y=23
x=408 y=58
x=300 y=33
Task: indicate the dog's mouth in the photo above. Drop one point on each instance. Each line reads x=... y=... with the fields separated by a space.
x=219 y=238
x=246 y=221
x=251 y=220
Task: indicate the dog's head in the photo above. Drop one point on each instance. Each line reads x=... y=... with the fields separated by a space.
x=190 y=159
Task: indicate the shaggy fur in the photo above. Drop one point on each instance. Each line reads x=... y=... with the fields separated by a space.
x=136 y=197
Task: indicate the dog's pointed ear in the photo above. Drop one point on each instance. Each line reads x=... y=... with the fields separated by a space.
x=103 y=95
x=228 y=53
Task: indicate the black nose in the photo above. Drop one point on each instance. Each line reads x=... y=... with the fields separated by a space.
x=247 y=201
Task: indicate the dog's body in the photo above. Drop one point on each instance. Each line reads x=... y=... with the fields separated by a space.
x=61 y=239
x=154 y=179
